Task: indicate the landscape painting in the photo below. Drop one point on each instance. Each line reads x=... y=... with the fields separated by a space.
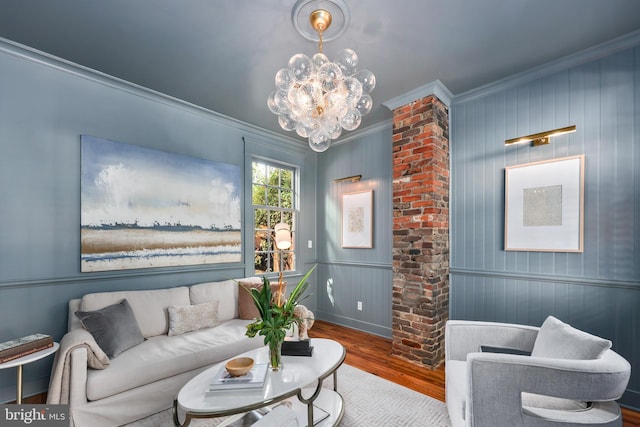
x=143 y=208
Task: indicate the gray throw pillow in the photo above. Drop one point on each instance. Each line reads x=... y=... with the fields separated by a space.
x=558 y=340
x=114 y=327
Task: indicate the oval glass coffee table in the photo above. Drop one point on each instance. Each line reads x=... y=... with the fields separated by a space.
x=300 y=376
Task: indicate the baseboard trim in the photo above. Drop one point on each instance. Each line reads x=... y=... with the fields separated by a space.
x=36 y=399
x=354 y=324
x=630 y=400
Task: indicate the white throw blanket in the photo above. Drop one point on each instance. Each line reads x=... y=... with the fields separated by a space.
x=61 y=374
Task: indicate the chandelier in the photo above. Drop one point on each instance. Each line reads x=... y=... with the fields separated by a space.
x=319 y=98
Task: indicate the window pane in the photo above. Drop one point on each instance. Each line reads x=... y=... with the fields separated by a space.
x=259 y=195
x=261 y=218
x=259 y=173
x=288 y=218
x=273 y=175
x=287 y=259
x=261 y=264
x=287 y=179
x=286 y=198
x=274 y=218
x=264 y=262
x=272 y=196
x=260 y=240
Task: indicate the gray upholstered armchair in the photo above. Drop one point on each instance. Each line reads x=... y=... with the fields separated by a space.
x=570 y=378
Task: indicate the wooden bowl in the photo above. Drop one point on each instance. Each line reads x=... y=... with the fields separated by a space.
x=239 y=366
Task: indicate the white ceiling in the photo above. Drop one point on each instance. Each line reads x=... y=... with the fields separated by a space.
x=223 y=54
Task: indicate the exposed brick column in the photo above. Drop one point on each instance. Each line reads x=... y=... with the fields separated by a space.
x=420 y=230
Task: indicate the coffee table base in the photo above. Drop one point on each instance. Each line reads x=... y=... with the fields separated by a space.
x=325 y=399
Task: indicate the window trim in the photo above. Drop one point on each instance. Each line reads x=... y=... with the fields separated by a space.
x=294 y=210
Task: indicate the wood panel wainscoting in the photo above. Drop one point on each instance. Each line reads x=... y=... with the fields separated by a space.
x=372 y=353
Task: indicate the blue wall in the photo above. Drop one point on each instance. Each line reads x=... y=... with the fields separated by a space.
x=598 y=290
x=45 y=105
x=352 y=275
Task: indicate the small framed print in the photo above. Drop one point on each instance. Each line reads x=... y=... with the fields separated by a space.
x=357 y=220
x=544 y=206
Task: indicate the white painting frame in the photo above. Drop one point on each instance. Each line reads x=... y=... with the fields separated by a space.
x=357 y=220
x=544 y=206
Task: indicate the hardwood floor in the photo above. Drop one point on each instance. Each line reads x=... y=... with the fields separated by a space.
x=372 y=353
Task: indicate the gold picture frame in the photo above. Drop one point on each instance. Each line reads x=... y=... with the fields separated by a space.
x=544 y=206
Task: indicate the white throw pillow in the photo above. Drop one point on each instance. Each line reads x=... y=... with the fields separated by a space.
x=558 y=340
x=187 y=318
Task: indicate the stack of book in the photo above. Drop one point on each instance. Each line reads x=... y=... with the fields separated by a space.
x=253 y=379
x=20 y=347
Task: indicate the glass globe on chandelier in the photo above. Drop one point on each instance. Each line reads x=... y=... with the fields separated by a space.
x=318 y=98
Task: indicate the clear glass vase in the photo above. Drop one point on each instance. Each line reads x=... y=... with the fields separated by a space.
x=275 y=355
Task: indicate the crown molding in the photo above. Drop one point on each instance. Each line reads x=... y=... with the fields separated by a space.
x=30 y=54
x=436 y=88
x=593 y=53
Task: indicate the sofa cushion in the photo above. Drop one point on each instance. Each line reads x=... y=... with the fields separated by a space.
x=246 y=306
x=188 y=318
x=149 y=307
x=225 y=291
x=163 y=356
x=114 y=327
x=558 y=340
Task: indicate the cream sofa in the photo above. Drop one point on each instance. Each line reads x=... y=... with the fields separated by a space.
x=145 y=378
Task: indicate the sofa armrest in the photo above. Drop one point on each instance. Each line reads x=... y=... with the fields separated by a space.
x=496 y=383
x=78 y=352
x=463 y=337
x=78 y=377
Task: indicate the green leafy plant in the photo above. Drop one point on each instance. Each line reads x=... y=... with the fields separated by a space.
x=276 y=313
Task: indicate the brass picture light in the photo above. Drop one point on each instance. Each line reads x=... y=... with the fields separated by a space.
x=541 y=138
x=354 y=178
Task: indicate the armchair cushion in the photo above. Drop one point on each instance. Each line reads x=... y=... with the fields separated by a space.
x=558 y=340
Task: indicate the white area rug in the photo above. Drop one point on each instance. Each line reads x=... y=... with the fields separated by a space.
x=369 y=401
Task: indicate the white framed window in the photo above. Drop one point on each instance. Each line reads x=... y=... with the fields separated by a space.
x=273 y=195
